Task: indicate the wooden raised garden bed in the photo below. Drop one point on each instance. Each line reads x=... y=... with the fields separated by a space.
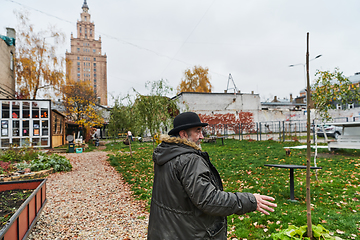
x=23 y=220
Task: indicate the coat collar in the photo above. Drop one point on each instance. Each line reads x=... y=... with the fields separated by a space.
x=177 y=140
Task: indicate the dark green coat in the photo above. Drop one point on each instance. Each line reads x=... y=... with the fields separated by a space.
x=188 y=201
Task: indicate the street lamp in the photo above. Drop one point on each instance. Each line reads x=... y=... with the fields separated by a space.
x=292 y=65
x=304 y=65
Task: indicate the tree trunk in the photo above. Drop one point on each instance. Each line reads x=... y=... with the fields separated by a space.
x=308 y=155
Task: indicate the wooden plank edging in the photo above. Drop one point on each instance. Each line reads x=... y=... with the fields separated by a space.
x=24 y=209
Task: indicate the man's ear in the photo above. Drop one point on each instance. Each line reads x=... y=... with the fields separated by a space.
x=183 y=134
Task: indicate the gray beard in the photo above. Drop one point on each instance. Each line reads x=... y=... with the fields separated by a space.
x=189 y=139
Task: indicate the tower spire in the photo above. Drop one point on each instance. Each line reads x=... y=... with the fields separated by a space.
x=85 y=7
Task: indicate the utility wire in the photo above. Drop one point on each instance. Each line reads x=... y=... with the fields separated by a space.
x=173 y=58
x=41 y=12
x=104 y=34
x=130 y=43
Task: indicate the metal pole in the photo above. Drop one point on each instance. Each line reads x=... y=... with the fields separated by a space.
x=283 y=130
x=257 y=131
x=279 y=131
x=299 y=128
x=314 y=130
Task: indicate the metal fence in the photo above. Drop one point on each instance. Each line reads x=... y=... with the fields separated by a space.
x=274 y=130
x=341 y=119
x=294 y=130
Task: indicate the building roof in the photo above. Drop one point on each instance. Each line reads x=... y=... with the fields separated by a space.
x=355 y=78
x=58 y=112
x=8 y=40
x=212 y=93
x=282 y=104
x=58 y=105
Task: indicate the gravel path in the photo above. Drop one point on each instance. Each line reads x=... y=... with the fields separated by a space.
x=90 y=202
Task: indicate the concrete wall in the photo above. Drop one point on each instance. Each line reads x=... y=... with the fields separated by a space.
x=286 y=115
x=216 y=104
x=350 y=114
x=209 y=102
x=222 y=108
x=280 y=115
x=226 y=108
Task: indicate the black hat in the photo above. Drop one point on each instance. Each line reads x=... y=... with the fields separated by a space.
x=186 y=120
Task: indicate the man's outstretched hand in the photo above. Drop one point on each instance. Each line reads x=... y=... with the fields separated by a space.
x=263 y=203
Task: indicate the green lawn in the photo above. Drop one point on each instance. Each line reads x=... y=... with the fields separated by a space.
x=335 y=197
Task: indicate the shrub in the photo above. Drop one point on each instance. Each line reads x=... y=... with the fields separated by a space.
x=22 y=165
x=28 y=155
x=18 y=155
x=299 y=233
x=4 y=166
x=59 y=163
x=9 y=155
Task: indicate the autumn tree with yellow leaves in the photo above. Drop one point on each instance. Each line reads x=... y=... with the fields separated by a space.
x=37 y=66
x=79 y=100
x=331 y=88
x=195 y=80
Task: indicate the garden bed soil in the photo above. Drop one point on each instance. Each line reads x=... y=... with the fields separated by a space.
x=10 y=201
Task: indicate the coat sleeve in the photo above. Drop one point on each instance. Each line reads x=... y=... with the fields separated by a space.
x=195 y=176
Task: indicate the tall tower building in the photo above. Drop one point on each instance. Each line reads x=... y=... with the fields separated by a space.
x=85 y=61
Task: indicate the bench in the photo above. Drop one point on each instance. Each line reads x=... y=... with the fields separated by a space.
x=345 y=141
x=213 y=138
x=218 y=137
x=122 y=134
x=209 y=140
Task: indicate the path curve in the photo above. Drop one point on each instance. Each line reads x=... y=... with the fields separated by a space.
x=90 y=202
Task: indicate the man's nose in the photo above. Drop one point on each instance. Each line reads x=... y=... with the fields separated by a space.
x=201 y=135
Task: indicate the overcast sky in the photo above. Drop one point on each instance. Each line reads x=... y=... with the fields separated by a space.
x=255 y=41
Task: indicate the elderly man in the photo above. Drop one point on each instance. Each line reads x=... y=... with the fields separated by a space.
x=188 y=201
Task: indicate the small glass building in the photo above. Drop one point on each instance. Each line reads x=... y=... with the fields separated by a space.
x=25 y=123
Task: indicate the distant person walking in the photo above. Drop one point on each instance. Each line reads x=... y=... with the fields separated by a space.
x=130 y=135
x=188 y=201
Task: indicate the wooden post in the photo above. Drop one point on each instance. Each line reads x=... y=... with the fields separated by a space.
x=308 y=155
x=130 y=147
x=241 y=127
